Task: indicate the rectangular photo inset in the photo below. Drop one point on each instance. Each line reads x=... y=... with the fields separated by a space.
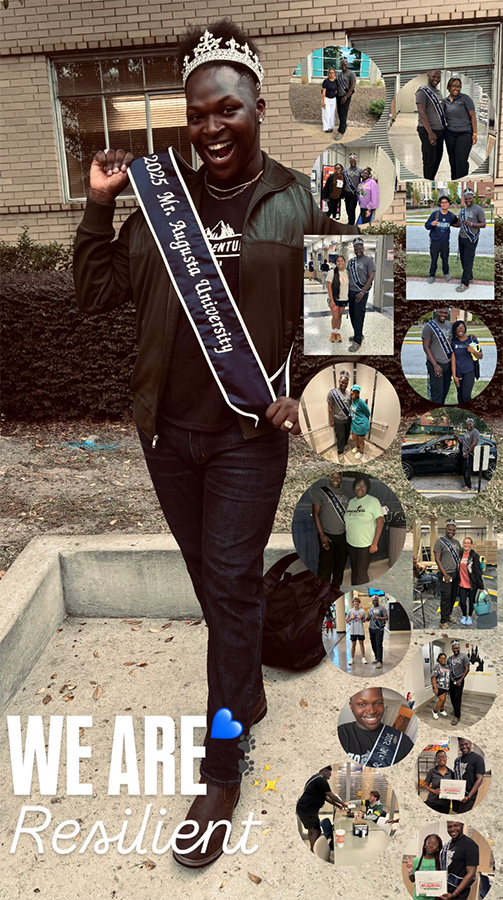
x=348 y=295
x=449 y=241
x=455 y=564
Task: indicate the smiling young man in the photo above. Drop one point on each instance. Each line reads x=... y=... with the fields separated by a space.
x=439 y=226
x=437 y=339
x=447 y=552
x=361 y=272
x=431 y=123
x=346 y=84
x=366 y=740
x=329 y=504
x=460 y=857
x=469 y=767
x=213 y=418
x=471 y=219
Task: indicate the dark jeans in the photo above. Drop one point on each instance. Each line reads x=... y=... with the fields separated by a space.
x=342 y=431
x=467 y=469
x=360 y=561
x=357 y=314
x=448 y=593
x=456 y=695
x=376 y=639
x=466 y=600
x=458 y=146
x=219 y=494
x=332 y=562
x=365 y=216
x=350 y=202
x=334 y=208
x=439 y=248
x=432 y=155
x=439 y=385
x=464 y=807
x=342 y=112
x=467 y=251
x=465 y=388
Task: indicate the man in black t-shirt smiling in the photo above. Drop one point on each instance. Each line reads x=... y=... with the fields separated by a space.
x=469 y=767
x=316 y=792
x=460 y=856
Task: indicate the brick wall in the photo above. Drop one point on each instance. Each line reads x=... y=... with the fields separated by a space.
x=32 y=192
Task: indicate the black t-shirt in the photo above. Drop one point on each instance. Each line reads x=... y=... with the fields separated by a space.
x=471 y=765
x=330 y=88
x=192 y=398
x=359 y=742
x=315 y=790
x=461 y=853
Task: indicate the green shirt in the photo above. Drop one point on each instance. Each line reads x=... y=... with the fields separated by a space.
x=427 y=865
x=361 y=518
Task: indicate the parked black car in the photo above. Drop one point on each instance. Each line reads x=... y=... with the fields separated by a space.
x=441 y=455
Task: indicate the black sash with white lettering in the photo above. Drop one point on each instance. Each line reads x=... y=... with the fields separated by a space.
x=385 y=749
x=452 y=551
x=201 y=287
x=442 y=340
x=353 y=271
x=466 y=228
x=436 y=103
x=340 y=402
x=341 y=83
x=457 y=769
x=349 y=183
x=452 y=880
x=336 y=503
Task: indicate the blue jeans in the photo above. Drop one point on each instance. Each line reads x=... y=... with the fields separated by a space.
x=219 y=494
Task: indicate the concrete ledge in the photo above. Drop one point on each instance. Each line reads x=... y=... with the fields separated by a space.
x=114 y=575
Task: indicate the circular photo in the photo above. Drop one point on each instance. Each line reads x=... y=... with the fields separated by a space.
x=449 y=356
x=442 y=125
x=452 y=775
x=377 y=727
x=366 y=622
x=455 y=572
x=449 y=453
x=448 y=859
x=347 y=814
x=353 y=183
x=349 y=411
x=349 y=528
x=447 y=682
x=337 y=91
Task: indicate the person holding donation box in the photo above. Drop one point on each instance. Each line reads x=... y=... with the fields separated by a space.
x=429 y=861
x=211 y=379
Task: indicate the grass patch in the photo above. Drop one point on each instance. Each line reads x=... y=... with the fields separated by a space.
x=420 y=386
x=418 y=266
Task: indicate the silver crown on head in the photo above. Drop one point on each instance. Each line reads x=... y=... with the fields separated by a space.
x=208 y=50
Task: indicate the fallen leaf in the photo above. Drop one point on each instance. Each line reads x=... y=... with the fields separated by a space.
x=71 y=686
x=132 y=621
x=95 y=654
x=168 y=639
x=304 y=703
x=266 y=682
x=136 y=628
x=167 y=625
x=155 y=630
x=98 y=692
x=197 y=622
x=54 y=676
x=68 y=697
x=142 y=664
x=131 y=671
x=93 y=682
x=112 y=521
x=129 y=663
x=254 y=878
x=265 y=831
x=223 y=884
x=47 y=699
x=149 y=864
x=40 y=691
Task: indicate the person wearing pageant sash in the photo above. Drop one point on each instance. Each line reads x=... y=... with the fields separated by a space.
x=329 y=504
x=460 y=128
x=460 y=857
x=377 y=617
x=437 y=337
x=339 y=414
x=350 y=193
x=329 y=101
x=360 y=421
x=468 y=443
x=214 y=328
x=459 y=665
x=366 y=740
x=368 y=197
x=338 y=295
x=431 y=123
x=439 y=226
x=471 y=219
x=361 y=271
x=364 y=525
x=465 y=355
x=429 y=861
x=433 y=783
x=469 y=767
x=447 y=552
x=346 y=83
x=355 y=618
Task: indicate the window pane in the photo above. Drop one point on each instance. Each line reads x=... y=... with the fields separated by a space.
x=78 y=77
x=127 y=128
x=169 y=124
x=84 y=136
x=122 y=74
x=161 y=72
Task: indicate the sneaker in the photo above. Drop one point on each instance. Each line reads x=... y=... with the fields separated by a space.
x=340 y=458
x=434 y=714
x=448 y=277
x=359 y=456
x=354 y=450
x=364 y=661
x=461 y=288
x=431 y=279
x=469 y=621
x=338 y=137
x=463 y=620
x=443 y=713
x=454 y=720
x=450 y=619
x=465 y=488
x=378 y=665
x=350 y=662
x=353 y=348
x=443 y=625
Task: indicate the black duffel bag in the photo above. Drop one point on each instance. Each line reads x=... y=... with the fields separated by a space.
x=295 y=612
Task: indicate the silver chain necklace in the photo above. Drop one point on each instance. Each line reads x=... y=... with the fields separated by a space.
x=239 y=190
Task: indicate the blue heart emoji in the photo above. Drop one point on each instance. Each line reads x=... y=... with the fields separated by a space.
x=224 y=726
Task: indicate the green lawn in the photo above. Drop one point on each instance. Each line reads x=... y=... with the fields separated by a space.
x=418 y=265
x=419 y=385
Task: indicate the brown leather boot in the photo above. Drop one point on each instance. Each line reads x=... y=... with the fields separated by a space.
x=219 y=803
x=260 y=709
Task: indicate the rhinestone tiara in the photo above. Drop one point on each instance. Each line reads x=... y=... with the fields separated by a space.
x=208 y=50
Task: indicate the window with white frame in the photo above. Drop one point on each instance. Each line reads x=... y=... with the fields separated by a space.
x=134 y=102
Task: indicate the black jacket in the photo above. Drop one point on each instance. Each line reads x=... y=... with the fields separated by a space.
x=108 y=273
x=474 y=571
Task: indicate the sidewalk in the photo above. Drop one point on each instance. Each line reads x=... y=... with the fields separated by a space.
x=419 y=289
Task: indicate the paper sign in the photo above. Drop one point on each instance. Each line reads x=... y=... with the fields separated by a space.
x=451 y=789
x=431 y=884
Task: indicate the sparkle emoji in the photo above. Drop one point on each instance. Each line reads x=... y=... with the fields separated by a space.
x=266 y=769
x=256 y=783
x=270 y=785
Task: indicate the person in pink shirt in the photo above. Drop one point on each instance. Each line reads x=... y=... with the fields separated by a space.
x=368 y=191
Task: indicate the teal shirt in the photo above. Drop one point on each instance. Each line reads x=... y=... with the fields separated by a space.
x=360 y=417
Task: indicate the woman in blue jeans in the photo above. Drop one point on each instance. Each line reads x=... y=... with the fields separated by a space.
x=465 y=353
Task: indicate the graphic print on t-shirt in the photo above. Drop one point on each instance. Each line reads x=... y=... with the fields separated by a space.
x=224 y=241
